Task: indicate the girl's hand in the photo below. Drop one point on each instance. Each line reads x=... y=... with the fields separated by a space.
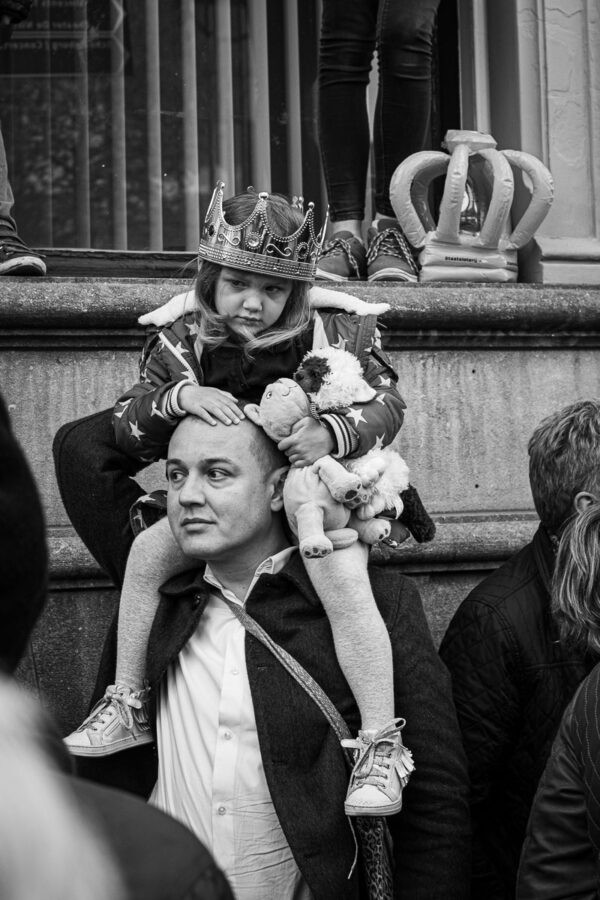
x=210 y=404
x=307 y=442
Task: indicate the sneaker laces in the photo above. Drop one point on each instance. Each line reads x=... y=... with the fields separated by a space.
x=338 y=246
x=11 y=241
x=375 y=754
x=114 y=701
x=391 y=242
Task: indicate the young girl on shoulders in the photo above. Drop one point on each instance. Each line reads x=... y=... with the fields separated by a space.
x=252 y=322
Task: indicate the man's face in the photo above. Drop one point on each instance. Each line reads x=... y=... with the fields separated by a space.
x=220 y=503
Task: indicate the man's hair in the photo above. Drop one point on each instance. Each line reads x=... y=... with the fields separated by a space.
x=564 y=459
x=266 y=452
x=576 y=580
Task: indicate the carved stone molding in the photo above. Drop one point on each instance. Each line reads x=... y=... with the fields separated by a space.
x=88 y=314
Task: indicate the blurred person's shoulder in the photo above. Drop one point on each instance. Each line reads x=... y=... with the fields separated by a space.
x=159 y=858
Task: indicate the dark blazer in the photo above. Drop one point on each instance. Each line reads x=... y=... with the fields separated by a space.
x=512 y=679
x=304 y=765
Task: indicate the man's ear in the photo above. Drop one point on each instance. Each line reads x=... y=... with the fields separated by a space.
x=582 y=501
x=252 y=411
x=277 y=479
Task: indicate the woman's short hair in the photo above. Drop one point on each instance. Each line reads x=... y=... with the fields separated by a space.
x=284 y=219
x=564 y=459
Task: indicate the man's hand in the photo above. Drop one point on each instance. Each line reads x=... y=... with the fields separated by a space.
x=307 y=442
x=210 y=404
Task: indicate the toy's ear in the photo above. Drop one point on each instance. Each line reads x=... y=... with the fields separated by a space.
x=252 y=411
x=364 y=393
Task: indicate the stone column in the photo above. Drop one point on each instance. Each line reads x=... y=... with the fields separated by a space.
x=543 y=79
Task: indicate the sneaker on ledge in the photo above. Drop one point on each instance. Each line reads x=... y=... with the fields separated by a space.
x=389 y=257
x=382 y=767
x=343 y=258
x=117 y=722
x=16 y=258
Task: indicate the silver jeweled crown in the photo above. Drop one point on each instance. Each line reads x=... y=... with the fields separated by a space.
x=252 y=245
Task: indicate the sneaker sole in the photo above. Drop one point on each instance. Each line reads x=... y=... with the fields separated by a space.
x=388 y=810
x=331 y=276
x=113 y=748
x=392 y=274
x=24 y=265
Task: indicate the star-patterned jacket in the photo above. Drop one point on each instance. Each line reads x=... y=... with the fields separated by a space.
x=146 y=415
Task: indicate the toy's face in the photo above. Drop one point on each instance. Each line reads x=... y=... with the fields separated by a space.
x=283 y=404
x=312 y=373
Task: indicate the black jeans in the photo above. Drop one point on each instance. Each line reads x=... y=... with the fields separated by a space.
x=351 y=30
x=96 y=484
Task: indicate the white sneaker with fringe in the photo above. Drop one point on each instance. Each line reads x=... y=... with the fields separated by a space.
x=382 y=767
x=117 y=722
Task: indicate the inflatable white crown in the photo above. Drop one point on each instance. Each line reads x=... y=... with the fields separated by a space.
x=463 y=247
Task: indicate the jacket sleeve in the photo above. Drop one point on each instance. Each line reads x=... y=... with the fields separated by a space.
x=377 y=422
x=145 y=416
x=558 y=860
x=431 y=835
x=479 y=651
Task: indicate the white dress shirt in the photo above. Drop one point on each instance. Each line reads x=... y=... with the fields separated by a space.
x=210 y=774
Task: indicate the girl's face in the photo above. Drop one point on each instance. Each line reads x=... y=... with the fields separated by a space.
x=251 y=303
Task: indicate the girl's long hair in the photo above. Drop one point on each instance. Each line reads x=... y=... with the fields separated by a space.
x=213 y=329
x=576 y=580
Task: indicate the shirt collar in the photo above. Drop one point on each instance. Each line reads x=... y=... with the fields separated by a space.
x=192 y=581
x=272 y=565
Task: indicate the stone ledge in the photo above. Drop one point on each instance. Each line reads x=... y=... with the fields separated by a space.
x=475 y=544
x=89 y=302
x=84 y=314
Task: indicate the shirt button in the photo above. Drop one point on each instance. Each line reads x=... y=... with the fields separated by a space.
x=235 y=671
x=227 y=735
x=221 y=810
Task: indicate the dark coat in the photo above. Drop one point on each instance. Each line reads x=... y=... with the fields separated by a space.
x=511 y=679
x=303 y=762
x=23 y=552
x=562 y=846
